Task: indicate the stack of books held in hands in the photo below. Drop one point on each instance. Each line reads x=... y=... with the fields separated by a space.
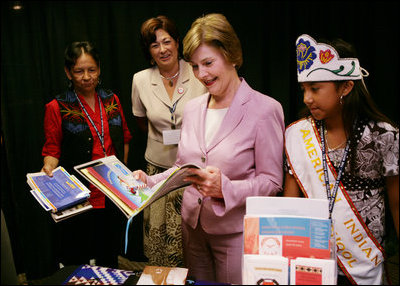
x=63 y=195
x=63 y=191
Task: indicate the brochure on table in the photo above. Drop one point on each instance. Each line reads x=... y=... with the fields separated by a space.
x=163 y=275
x=295 y=231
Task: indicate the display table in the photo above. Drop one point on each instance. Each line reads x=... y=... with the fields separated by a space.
x=61 y=275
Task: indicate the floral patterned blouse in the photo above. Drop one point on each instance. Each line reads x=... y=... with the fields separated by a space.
x=377 y=158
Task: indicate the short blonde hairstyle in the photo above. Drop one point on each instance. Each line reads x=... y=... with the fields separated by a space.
x=214 y=30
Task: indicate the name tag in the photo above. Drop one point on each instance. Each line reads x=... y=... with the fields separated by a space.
x=171 y=137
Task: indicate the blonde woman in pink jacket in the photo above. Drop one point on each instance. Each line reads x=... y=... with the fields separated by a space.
x=236 y=135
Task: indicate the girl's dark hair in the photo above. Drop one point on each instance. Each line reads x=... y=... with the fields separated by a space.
x=76 y=49
x=358 y=105
x=148 y=33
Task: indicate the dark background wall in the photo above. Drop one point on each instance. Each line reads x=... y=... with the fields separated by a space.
x=32 y=45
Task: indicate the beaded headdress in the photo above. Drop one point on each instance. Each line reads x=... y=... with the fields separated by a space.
x=321 y=62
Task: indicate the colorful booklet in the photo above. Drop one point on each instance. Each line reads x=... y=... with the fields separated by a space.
x=63 y=195
x=115 y=180
x=131 y=196
x=311 y=271
x=287 y=236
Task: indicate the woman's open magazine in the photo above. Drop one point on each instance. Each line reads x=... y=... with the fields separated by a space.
x=115 y=180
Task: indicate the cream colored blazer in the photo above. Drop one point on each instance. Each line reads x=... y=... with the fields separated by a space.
x=150 y=99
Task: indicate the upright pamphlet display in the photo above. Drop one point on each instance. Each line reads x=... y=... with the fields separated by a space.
x=288 y=241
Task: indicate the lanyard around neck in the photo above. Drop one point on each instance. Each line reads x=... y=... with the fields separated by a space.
x=332 y=194
x=101 y=136
x=173 y=118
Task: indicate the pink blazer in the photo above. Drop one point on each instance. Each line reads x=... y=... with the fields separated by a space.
x=248 y=149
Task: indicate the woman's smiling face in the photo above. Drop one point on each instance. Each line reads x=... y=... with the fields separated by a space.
x=164 y=50
x=212 y=69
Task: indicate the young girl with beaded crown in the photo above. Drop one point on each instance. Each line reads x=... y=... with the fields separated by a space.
x=344 y=142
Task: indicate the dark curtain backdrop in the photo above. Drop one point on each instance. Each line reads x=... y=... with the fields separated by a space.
x=32 y=45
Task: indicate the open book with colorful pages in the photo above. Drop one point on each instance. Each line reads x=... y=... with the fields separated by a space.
x=298 y=229
x=63 y=195
x=115 y=180
x=131 y=196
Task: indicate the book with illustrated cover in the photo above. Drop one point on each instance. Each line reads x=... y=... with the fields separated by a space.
x=97 y=275
x=287 y=236
x=311 y=271
x=63 y=195
x=265 y=270
x=115 y=180
x=162 y=275
x=290 y=227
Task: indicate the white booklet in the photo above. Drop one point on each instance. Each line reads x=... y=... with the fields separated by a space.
x=265 y=270
x=317 y=208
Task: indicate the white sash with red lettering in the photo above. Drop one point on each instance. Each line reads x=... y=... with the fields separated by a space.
x=359 y=255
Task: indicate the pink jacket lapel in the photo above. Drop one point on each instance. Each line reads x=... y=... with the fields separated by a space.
x=233 y=116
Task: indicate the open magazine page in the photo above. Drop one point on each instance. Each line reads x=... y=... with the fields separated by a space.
x=126 y=210
x=131 y=196
x=173 y=182
x=115 y=180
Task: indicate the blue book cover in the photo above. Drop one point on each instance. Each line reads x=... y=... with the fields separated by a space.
x=60 y=191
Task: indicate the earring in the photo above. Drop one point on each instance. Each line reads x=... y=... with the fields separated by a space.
x=341 y=99
x=69 y=83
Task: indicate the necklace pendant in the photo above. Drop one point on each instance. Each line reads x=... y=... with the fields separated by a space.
x=171 y=83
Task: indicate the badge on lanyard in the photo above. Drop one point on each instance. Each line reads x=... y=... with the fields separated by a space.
x=172 y=136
